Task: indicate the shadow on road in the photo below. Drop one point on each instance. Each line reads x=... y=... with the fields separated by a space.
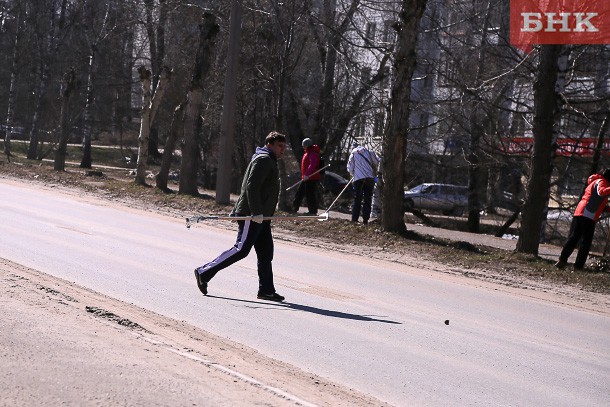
x=313 y=310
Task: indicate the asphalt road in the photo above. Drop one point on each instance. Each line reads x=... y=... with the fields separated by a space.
x=374 y=326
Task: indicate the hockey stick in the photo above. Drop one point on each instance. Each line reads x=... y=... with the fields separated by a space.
x=340 y=193
x=292 y=186
x=196 y=219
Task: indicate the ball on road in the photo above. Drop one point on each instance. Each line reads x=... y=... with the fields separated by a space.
x=446 y=322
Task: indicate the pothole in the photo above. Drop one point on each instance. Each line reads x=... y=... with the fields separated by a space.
x=110 y=316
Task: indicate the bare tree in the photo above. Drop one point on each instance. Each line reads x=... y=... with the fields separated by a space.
x=394 y=144
x=69 y=85
x=176 y=131
x=50 y=51
x=93 y=40
x=156 y=45
x=227 y=131
x=150 y=106
x=546 y=108
x=11 y=93
x=203 y=61
x=334 y=35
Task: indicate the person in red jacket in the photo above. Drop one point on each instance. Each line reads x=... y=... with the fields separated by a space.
x=588 y=211
x=308 y=188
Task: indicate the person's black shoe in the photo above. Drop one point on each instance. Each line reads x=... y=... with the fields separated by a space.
x=270 y=297
x=202 y=285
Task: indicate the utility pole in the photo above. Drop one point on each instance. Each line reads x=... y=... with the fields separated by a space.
x=227 y=126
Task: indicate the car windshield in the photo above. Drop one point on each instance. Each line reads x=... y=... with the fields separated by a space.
x=417 y=188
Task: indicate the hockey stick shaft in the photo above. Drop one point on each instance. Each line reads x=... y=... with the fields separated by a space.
x=197 y=219
x=298 y=183
x=340 y=193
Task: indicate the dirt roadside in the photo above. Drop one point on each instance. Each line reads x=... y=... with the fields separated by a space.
x=62 y=344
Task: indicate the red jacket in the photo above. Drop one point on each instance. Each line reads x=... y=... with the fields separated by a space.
x=311 y=163
x=595 y=198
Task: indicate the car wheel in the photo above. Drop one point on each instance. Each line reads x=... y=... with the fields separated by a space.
x=408 y=205
x=457 y=211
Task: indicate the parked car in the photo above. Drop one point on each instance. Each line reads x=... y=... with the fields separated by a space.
x=450 y=199
x=334 y=183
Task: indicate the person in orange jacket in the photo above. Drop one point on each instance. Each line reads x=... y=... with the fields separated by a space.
x=309 y=187
x=588 y=211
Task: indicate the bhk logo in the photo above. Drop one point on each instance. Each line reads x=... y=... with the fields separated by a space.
x=535 y=22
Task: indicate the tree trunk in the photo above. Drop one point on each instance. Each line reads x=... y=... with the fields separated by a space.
x=327 y=99
x=190 y=149
x=92 y=40
x=504 y=228
x=474 y=168
x=60 y=153
x=150 y=106
x=47 y=59
x=545 y=116
x=284 y=116
x=227 y=126
x=476 y=133
x=145 y=78
x=156 y=43
x=394 y=143
x=203 y=61
x=86 y=160
x=170 y=145
x=11 y=92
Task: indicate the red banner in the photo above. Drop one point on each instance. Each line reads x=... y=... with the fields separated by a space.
x=584 y=147
x=535 y=22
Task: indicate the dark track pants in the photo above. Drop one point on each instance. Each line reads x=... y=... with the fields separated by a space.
x=307 y=189
x=249 y=234
x=580 y=228
x=363 y=196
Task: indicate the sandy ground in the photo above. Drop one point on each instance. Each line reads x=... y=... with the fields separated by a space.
x=61 y=344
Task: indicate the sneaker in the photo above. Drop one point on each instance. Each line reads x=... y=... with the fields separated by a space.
x=578 y=268
x=203 y=285
x=270 y=297
x=560 y=264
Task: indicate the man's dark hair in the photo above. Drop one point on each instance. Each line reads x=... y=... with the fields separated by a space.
x=606 y=174
x=274 y=136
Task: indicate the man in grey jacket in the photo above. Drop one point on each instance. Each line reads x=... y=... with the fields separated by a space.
x=259 y=195
x=363 y=166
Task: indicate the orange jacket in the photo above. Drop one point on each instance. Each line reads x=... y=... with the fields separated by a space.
x=311 y=163
x=595 y=198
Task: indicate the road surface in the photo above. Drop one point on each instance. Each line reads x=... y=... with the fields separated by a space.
x=377 y=327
